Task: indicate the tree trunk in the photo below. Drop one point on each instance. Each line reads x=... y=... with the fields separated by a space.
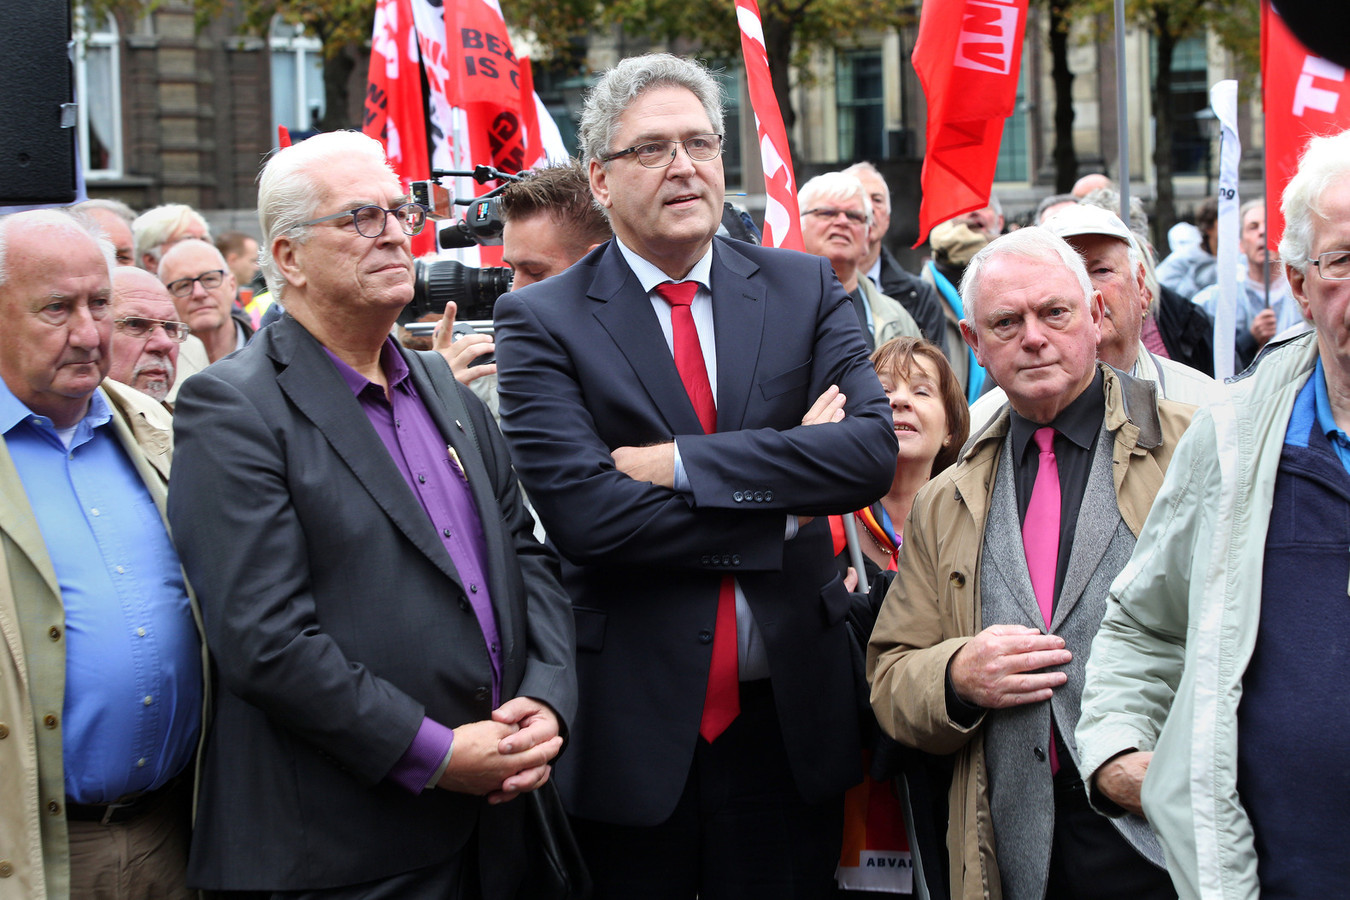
x=337 y=70
x=778 y=45
x=1065 y=157
x=1164 y=211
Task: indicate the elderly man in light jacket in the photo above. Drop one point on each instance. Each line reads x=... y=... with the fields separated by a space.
x=1216 y=681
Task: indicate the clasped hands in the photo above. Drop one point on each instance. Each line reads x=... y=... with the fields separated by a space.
x=504 y=756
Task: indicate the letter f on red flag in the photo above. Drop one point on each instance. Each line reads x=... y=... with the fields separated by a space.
x=968 y=56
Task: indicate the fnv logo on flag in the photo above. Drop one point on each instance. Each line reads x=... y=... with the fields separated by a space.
x=1305 y=95
x=968 y=56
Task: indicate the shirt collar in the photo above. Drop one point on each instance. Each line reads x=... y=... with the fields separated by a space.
x=650 y=276
x=1079 y=421
x=13 y=411
x=393 y=365
x=1326 y=420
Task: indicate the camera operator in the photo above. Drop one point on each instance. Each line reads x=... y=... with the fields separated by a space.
x=549 y=222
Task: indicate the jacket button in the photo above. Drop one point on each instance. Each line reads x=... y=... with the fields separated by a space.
x=957 y=579
x=6 y=868
x=54 y=807
x=759 y=496
x=481 y=694
x=707 y=560
x=49 y=721
x=1039 y=753
x=737 y=496
x=768 y=496
x=705 y=636
x=736 y=559
x=463 y=604
x=4 y=731
x=54 y=632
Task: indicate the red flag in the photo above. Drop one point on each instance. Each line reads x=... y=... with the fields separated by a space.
x=968 y=56
x=782 y=220
x=1305 y=96
x=395 y=114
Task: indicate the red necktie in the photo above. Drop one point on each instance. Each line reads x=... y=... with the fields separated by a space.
x=722 y=703
x=1040 y=538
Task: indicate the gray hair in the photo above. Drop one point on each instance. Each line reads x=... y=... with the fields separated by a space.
x=152 y=228
x=620 y=86
x=116 y=207
x=59 y=219
x=1325 y=160
x=834 y=186
x=291 y=188
x=872 y=170
x=1032 y=242
x=1052 y=200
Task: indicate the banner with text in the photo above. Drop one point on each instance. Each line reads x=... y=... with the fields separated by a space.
x=968 y=56
x=1305 y=95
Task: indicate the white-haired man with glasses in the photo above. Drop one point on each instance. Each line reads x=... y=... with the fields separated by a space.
x=836 y=219
x=203 y=290
x=146 y=333
x=1218 y=675
x=654 y=395
x=393 y=648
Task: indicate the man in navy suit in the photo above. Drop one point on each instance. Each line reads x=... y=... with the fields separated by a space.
x=658 y=396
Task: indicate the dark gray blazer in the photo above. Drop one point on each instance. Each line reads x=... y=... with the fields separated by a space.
x=336 y=620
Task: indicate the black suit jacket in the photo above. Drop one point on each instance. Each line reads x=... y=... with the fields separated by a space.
x=584 y=369
x=337 y=620
x=918 y=297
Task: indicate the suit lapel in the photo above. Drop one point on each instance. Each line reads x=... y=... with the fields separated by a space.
x=18 y=522
x=738 y=318
x=1098 y=517
x=311 y=382
x=625 y=312
x=1004 y=537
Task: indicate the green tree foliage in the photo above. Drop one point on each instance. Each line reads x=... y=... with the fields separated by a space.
x=792 y=28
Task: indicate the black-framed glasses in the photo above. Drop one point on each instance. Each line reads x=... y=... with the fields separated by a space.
x=1334 y=265
x=830 y=213
x=141 y=327
x=659 y=154
x=370 y=220
x=183 y=286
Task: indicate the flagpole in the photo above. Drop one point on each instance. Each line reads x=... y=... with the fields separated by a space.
x=1122 y=133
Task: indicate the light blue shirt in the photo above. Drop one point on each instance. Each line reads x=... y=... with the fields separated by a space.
x=133 y=661
x=1326 y=421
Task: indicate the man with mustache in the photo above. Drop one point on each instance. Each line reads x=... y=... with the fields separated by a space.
x=146 y=333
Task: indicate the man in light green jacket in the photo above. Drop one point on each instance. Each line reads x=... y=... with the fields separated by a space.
x=1216 y=680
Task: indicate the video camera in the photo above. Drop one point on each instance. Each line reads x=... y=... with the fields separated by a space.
x=474 y=290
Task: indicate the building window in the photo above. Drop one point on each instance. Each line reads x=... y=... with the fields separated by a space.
x=297 y=78
x=859 y=95
x=1012 y=149
x=98 y=93
x=729 y=77
x=1190 y=95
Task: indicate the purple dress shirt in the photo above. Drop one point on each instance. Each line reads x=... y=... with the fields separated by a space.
x=434 y=475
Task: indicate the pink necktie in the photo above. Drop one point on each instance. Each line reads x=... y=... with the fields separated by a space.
x=722 y=702
x=1040 y=539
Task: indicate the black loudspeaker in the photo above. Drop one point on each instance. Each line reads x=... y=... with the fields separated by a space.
x=37 y=142
x=1324 y=28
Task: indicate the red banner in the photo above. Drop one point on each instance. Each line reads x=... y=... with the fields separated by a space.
x=968 y=56
x=782 y=221
x=1305 y=96
x=395 y=114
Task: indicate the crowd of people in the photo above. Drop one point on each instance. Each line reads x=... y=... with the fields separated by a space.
x=278 y=622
